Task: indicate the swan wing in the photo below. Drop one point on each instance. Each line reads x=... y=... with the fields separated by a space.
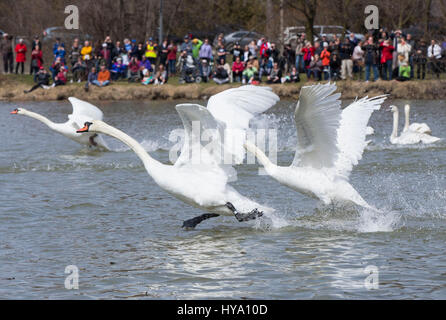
x=199 y=124
x=317 y=117
x=234 y=108
x=352 y=132
x=83 y=111
x=420 y=128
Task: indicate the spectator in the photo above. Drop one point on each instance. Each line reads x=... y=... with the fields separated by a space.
x=42 y=78
x=103 y=78
x=289 y=56
x=387 y=59
x=404 y=49
x=92 y=76
x=117 y=51
x=221 y=52
x=145 y=64
x=161 y=75
x=358 y=60
x=205 y=70
x=118 y=70
x=237 y=69
x=420 y=59
x=249 y=72
x=403 y=69
x=308 y=51
x=55 y=67
x=7 y=53
x=61 y=78
x=395 y=37
x=79 y=70
x=411 y=43
x=87 y=52
x=221 y=74
x=139 y=51
x=315 y=68
x=300 y=54
x=434 y=55
x=75 y=52
x=110 y=47
x=196 y=45
x=236 y=51
x=294 y=75
x=56 y=47
x=246 y=54
x=20 y=58
x=163 y=52
x=172 y=57
x=134 y=67
x=186 y=46
x=206 y=51
x=151 y=49
x=36 y=42
x=335 y=66
x=346 y=52
x=276 y=74
x=325 y=57
x=253 y=48
x=371 y=58
x=105 y=54
x=36 y=60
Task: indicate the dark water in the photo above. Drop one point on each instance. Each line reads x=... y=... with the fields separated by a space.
x=62 y=205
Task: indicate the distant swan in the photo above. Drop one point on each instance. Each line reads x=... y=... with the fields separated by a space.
x=82 y=112
x=415 y=127
x=204 y=184
x=330 y=142
x=408 y=136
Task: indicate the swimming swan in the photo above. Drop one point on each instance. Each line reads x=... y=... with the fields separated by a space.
x=203 y=183
x=408 y=136
x=82 y=112
x=330 y=142
x=416 y=127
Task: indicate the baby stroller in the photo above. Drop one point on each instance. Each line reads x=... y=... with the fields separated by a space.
x=189 y=71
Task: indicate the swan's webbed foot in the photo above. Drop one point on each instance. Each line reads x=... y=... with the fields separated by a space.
x=92 y=142
x=241 y=217
x=192 y=223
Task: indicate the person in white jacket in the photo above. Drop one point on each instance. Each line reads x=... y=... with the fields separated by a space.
x=404 y=49
x=434 y=55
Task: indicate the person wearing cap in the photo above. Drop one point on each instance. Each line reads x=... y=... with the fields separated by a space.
x=186 y=45
x=7 y=53
x=196 y=45
x=20 y=58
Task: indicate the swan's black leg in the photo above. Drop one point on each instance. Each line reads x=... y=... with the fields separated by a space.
x=92 y=142
x=244 y=216
x=192 y=223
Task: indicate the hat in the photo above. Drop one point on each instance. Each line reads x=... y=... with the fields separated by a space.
x=133 y=40
x=195 y=41
x=104 y=45
x=41 y=68
x=325 y=44
x=186 y=37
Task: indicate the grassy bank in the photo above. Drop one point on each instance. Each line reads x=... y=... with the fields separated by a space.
x=12 y=87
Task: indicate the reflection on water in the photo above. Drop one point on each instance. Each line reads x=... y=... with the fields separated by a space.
x=64 y=205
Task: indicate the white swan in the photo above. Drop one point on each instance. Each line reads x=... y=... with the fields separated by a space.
x=330 y=142
x=408 y=136
x=203 y=183
x=415 y=127
x=82 y=112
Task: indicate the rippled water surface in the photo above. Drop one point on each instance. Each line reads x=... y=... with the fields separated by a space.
x=63 y=205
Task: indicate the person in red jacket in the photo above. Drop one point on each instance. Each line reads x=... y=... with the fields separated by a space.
x=237 y=70
x=308 y=52
x=387 y=59
x=20 y=59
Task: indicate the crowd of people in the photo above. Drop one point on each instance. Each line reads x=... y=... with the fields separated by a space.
x=388 y=55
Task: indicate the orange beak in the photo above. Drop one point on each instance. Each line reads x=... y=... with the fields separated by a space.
x=84 y=129
x=15 y=111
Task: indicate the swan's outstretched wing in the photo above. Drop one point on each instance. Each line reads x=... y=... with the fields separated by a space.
x=317 y=118
x=352 y=132
x=235 y=108
x=203 y=155
x=83 y=111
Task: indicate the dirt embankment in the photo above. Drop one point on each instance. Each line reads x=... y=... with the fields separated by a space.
x=13 y=91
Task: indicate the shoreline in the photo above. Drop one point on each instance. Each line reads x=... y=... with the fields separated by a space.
x=12 y=90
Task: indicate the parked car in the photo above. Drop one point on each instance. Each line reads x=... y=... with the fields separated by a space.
x=292 y=33
x=50 y=34
x=243 y=37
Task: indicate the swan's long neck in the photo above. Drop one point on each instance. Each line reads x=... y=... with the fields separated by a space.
x=395 y=124
x=263 y=159
x=152 y=166
x=406 y=121
x=39 y=117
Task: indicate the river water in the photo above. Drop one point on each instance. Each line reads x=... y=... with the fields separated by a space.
x=62 y=205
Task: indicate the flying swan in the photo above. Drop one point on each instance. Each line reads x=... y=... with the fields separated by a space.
x=408 y=136
x=330 y=142
x=82 y=112
x=204 y=183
